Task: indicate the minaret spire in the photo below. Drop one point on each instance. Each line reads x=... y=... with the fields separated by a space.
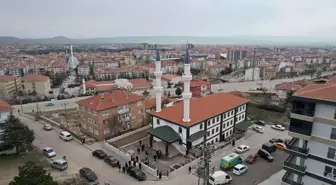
x=186 y=89
x=158 y=74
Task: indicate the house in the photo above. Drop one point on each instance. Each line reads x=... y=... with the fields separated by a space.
x=269 y=73
x=83 y=70
x=9 y=86
x=107 y=114
x=36 y=83
x=194 y=121
x=93 y=87
x=170 y=78
x=283 y=88
x=312 y=126
x=140 y=84
x=198 y=88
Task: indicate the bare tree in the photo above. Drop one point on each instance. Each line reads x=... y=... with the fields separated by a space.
x=76 y=180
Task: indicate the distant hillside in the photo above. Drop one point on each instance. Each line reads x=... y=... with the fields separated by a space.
x=239 y=40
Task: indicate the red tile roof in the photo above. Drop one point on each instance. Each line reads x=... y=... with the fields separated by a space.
x=109 y=100
x=318 y=91
x=35 y=78
x=240 y=94
x=332 y=80
x=151 y=103
x=288 y=87
x=6 y=78
x=169 y=77
x=201 y=108
x=197 y=83
x=5 y=107
x=141 y=82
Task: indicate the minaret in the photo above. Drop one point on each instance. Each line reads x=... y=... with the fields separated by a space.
x=186 y=78
x=158 y=88
x=84 y=87
x=71 y=55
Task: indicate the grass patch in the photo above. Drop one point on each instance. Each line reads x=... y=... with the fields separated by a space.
x=268 y=116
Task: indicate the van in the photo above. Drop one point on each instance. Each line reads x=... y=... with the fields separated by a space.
x=230 y=161
x=219 y=177
x=59 y=164
x=269 y=147
x=66 y=136
x=266 y=155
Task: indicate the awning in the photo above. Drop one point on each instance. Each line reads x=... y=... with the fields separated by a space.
x=165 y=133
x=197 y=135
x=244 y=125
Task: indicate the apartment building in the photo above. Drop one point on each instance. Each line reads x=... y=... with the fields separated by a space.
x=84 y=70
x=312 y=159
x=107 y=114
x=9 y=86
x=36 y=83
x=198 y=88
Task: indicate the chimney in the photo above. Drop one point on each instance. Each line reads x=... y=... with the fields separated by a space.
x=102 y=96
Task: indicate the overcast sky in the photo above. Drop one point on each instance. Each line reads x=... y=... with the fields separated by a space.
x=114 y=18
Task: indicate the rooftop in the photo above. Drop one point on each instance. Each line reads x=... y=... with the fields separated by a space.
x=35 y=78
x=169 y=77
x=318 y=91
x=6 y=78
x=141 y=82
x=215 y=104
x=109 y=100
x=5 y=107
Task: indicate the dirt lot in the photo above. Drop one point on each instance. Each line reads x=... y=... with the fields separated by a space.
x=130 y=139
x=70 y=116
x=265 y=115
x=9 y=164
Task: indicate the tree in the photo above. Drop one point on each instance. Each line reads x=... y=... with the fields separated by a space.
x=169 y=85
x=145 y=93
x=32 y=174
x=289 y=97
x=17 y=134
x=178 y=91
x=77 y=180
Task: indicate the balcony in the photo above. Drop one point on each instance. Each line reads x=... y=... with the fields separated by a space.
x=290 y=165
x=123 y=110
x=300 y=129
x=288 y=179
x=293 y=149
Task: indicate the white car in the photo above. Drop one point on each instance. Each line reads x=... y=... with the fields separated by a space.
x=239 y=169
x=278 y=127
x=49 y=152
x=66 y=136
x=242 y=148
x=258 y=129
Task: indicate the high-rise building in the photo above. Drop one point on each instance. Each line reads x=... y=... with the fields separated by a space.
x=235 y=55
x=312 y=159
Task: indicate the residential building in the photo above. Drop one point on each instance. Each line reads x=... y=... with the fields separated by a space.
x=140 y=84
x=170 y=78
x=9 y=86
x=269 y=74
x=36 y=83
x=105 y=115
x=283 y=88
x=83 y=70
x=252 y=74
x=312 y=159
x=198 y=88
x=19 y=70
x=93 y=87
x=235 y=55
x=191 y=122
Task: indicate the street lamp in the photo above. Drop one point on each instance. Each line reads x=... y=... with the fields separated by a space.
x=65 y=112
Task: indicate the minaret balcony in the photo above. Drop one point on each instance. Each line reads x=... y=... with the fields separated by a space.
x=157 y=73
x=158 y=89
x=186 y=78
x=186 y=95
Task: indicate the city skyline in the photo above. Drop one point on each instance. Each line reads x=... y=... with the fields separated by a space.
x=88 y=19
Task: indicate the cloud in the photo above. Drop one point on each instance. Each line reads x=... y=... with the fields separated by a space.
x=110 y=18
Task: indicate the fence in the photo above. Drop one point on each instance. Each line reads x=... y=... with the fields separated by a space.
x=123 y=155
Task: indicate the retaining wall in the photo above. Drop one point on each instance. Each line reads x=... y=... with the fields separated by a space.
x=128 y=134
x=125 y=156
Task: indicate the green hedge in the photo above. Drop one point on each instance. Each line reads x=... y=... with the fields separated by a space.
x=269 y=107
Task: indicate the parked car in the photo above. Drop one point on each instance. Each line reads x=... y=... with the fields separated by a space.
x=260 y=122
x=100 y=154
x=280 y=146
x=49 y=152
x=276 y=140
x=47 y=127
x=266 y=155
x=252 y=158
x=239 y=169
x=66 y=136
x=88 y=174
x=59 y=164
x=278 y=127
x=242 y=148
x=49 y=104
x=136 y=173
x=258 y=129
x=112 y=161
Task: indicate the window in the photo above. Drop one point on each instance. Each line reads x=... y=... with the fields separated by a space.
x=216 y=140
x=333 y=133
x=217 y=129
x=335 y=114
x=180 y=130
x=96 y=132
x=139 y=103
x=158 y=122
x=217 y=119
x=89 y=111
x=226 y=134
x=94 y=113
x=212 y=142
x=105 y=112
x=208 y=133
x=208 y=122
x=230 y=132
x=224 y=115
x=89 y=120
x=139 y=111
x=331 y=153
x=329 y=171
x=201 y=126
x=213 y=131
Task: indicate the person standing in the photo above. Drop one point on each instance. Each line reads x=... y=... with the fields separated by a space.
x=119 y=167
x=123 y=169
x=189 y=169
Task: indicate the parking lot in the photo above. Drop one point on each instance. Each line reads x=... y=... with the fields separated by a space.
x=261 y=169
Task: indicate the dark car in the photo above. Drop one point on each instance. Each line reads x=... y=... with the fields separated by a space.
x=259 y=122
x=270 y=148
x=252 y=158
x=99 y=154
x=266 y=155
x=88 y=174
x=276 y=140
x=136 y=173
x=112 y=161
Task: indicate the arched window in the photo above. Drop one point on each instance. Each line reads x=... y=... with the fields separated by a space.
x=180 y=130
x=158 y=122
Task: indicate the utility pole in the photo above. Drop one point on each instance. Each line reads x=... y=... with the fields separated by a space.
x=65 y=113
x=37 y=111
x=253 y=63
x=203 y=170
